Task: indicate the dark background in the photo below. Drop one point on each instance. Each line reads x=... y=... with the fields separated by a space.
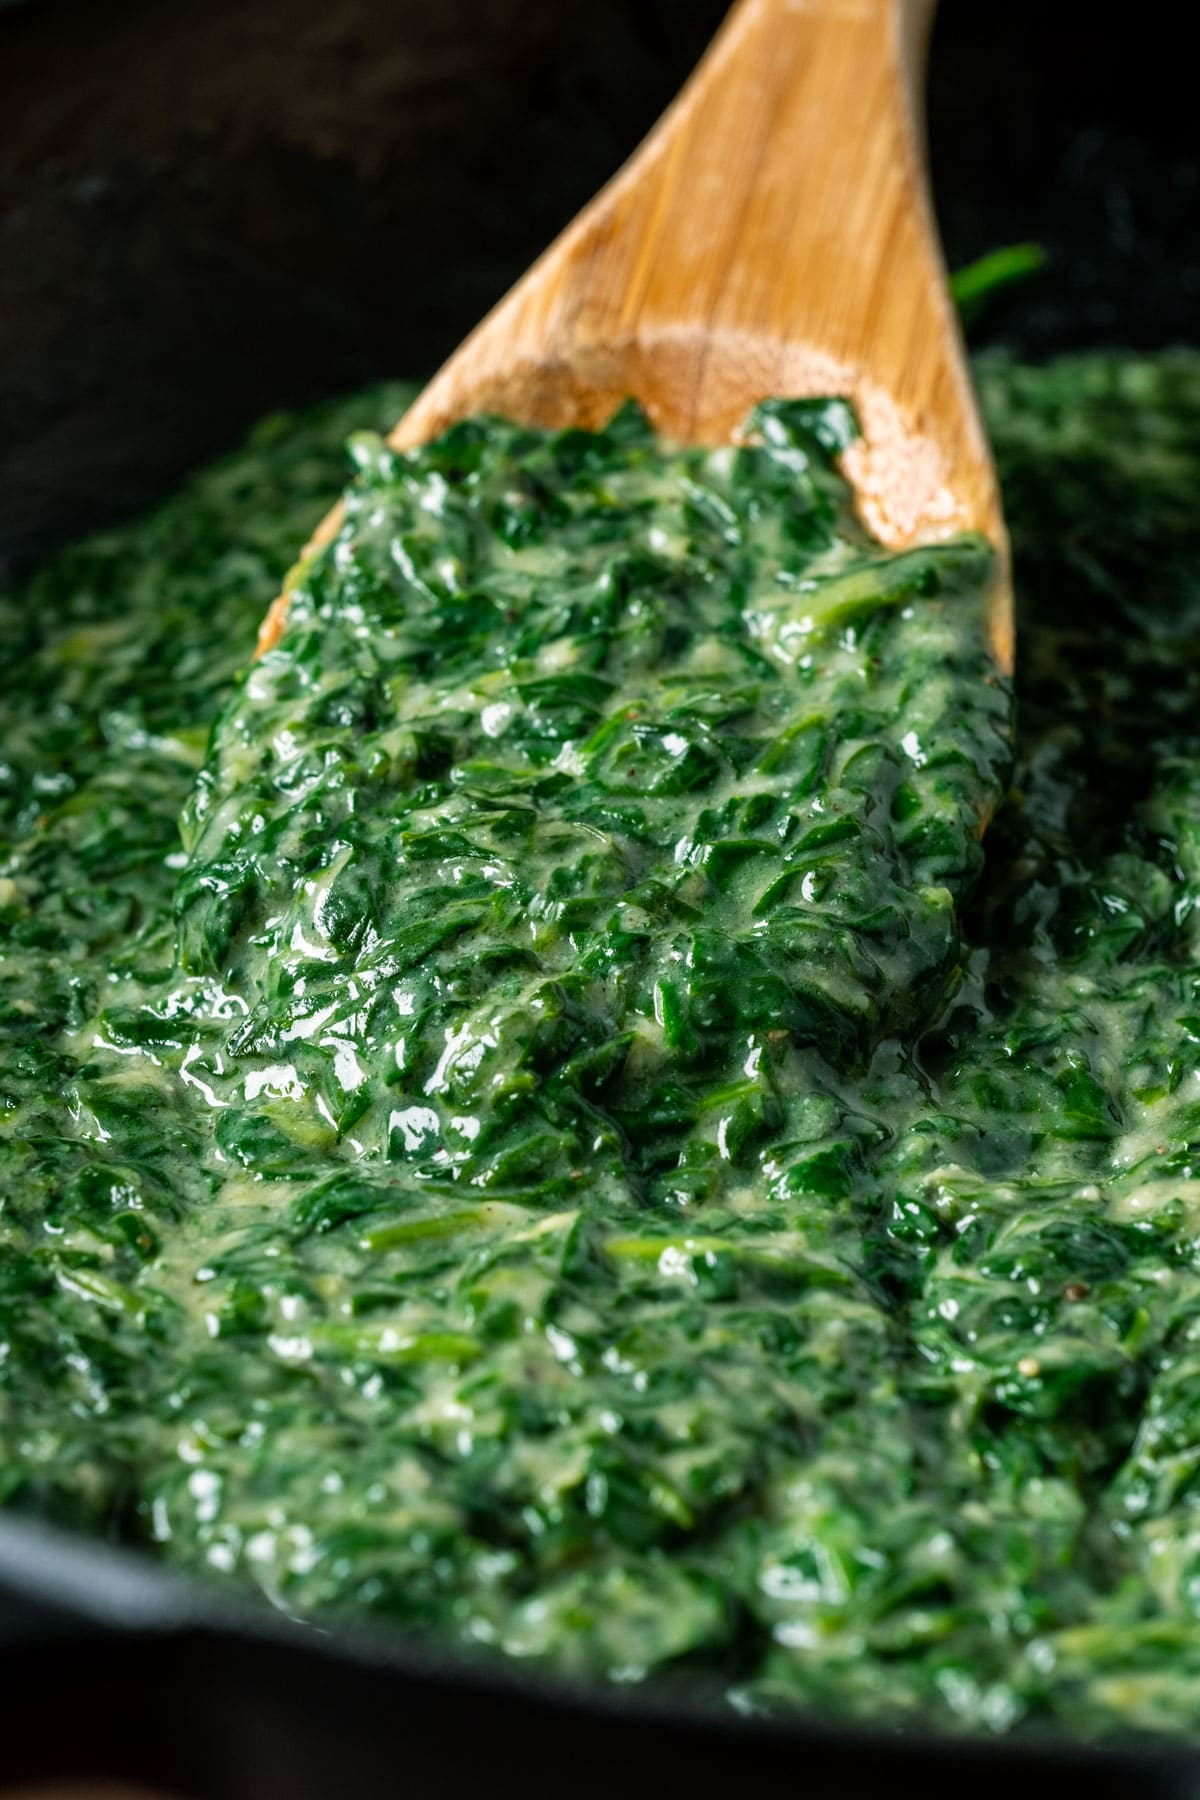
x=209 y=208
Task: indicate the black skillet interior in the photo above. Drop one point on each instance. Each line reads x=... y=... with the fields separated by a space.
x=223 y=206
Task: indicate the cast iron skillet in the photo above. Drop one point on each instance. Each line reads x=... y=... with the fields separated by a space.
x=166 y=176
x=114 y=1668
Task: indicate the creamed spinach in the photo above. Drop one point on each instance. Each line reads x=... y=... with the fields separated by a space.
x=570 y=1149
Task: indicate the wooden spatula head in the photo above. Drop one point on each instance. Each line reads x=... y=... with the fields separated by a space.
x=772 y=236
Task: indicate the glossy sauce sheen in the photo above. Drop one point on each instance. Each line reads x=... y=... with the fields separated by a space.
x=559 y=1158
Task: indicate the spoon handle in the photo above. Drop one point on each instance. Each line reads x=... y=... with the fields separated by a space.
x=782 y=198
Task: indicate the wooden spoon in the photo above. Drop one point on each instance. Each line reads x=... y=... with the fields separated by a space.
x=772 y=236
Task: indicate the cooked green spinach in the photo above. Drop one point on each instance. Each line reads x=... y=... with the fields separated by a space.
x=572 y=1150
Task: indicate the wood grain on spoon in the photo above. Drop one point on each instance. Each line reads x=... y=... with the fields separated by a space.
x=772 y=236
